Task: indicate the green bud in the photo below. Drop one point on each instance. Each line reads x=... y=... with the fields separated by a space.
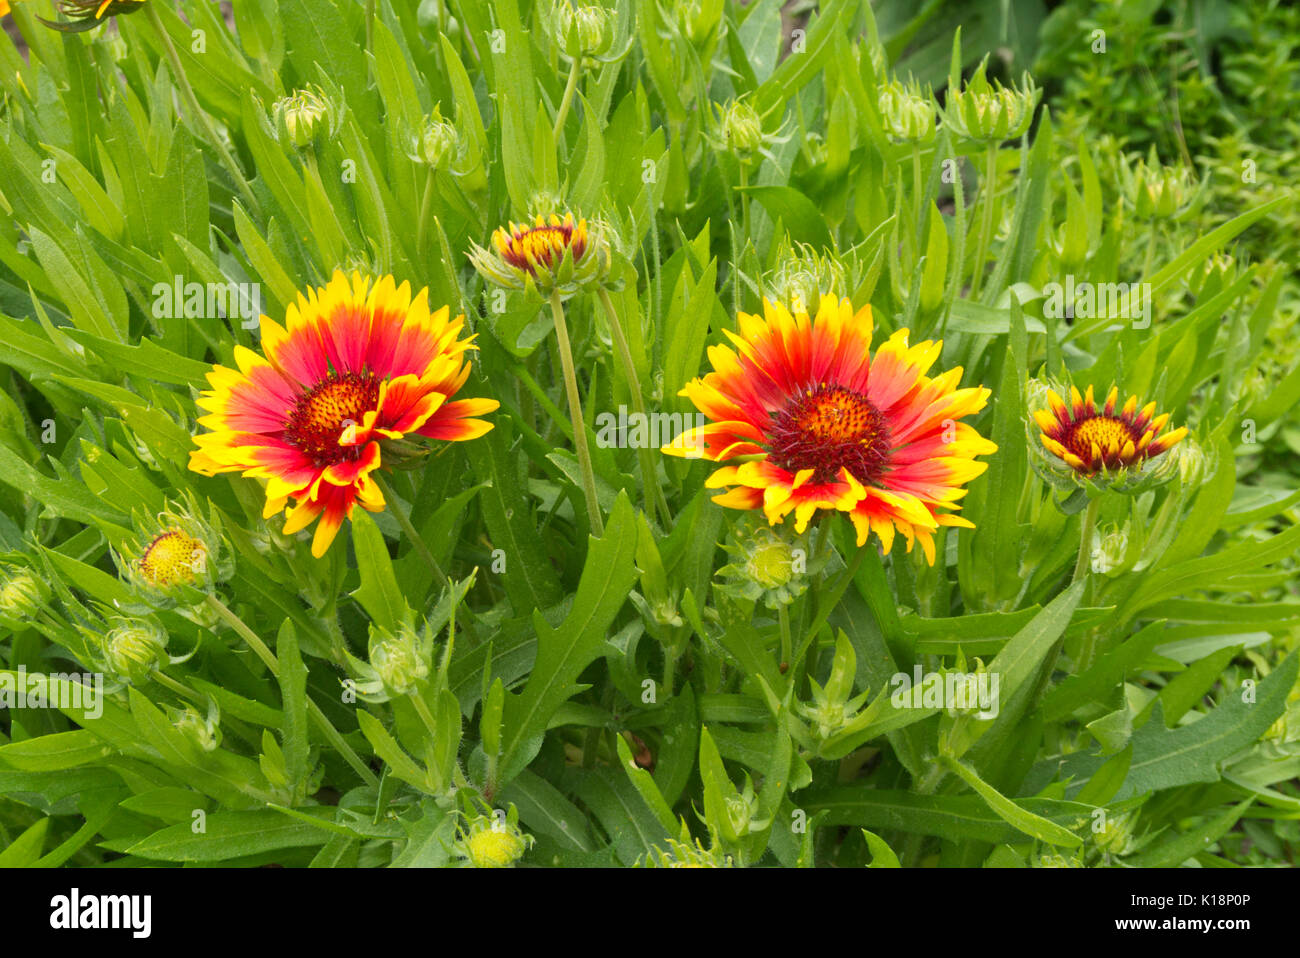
x=1156 y=192
x=584 y=31
x=990 y=112
x=400 y=662
x=803 y=276
x=741 y=128
x=22 y=596
x=303 y=116
x=906 y=114
x=134 y=648
x=437 y=143
x=202 y=730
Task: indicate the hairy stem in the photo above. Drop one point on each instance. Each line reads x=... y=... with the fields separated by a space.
x=575 y=416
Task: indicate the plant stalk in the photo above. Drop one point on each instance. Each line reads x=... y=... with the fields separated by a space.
x=654 y=495
x=575 y=416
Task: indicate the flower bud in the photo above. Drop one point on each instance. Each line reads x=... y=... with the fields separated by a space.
x=741 y=128
x=584 y=31
x=437 y=143
x=1115 y=834
x=202 y=730
x=686 y=853
x=1156 y=192
x=990 y=112
x=173 y=557
x=303 y=115
x=906 y=114
x=400 y=662
x=803 y=276
x=22 y=596
x=1110 y=549
x=134 y=648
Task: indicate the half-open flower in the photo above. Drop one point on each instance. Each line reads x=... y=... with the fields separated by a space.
x=357 y=366
x=552 y=254
x=813 y=421
x=1107 y=447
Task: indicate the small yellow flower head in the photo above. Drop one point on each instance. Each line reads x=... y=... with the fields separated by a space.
x=437 y=142
x=989 y=112
x=771 y=564
x=493 y=841
x=906 y=113
x=586 y=30
x=303 y=116
x=134 y=647
x=741 y=128
x=172 y=558
x=176 y=558
x=553 y=254
x=22 y=596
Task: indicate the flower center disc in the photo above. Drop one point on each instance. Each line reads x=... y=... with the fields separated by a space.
x=544 y=245
x=829 y=428
x=170 y=558
x=1106 y=431
x=323 y=412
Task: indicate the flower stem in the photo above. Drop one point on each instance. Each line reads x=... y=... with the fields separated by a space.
x=575 y=416
x=654 y=495
x=566 y=101
x=426 y=203
x=370 y=25
x=263 y=652
x=1082 y=564
x=404 y=521
x=787 y=644
x=192 y=102
x=986 y=222
x=916 y=186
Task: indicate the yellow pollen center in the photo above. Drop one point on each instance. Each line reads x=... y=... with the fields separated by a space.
x=1106 y=432
x=171 y=558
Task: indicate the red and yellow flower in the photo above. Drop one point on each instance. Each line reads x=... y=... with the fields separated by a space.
x=358 y=365
x=551 y=254
x=1102 y=443
x=813 y=421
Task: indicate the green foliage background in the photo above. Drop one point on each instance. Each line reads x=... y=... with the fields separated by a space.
x=1179 y=743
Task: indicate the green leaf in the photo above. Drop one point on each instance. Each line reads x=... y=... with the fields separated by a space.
x=228 y=835
x=563 y=653
x=1036 y=826
x=1164 y=758
x=378 y=593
